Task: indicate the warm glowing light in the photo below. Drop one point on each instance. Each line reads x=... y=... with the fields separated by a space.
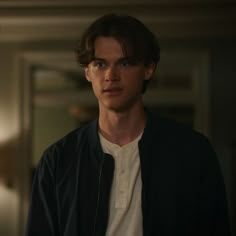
x=7 y=129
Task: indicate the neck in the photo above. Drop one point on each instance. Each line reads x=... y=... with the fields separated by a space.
x=122 y=127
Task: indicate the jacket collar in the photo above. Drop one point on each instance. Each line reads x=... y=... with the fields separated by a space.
x=152 y=125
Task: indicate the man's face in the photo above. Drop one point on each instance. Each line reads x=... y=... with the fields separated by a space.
x=116 y=79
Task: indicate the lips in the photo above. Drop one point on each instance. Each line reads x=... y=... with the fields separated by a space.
x=112 y=90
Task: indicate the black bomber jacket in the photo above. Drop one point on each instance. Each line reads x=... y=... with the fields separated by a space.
x=182 y=187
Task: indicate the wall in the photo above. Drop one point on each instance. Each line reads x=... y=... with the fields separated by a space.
x=9 y=133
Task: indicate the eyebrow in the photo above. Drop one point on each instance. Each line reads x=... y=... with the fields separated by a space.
x=130 y=59
x=98 y=59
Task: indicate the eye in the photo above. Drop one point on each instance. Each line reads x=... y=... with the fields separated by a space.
x=124 y=63
x=99 y=64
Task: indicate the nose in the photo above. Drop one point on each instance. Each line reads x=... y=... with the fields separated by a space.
x=112 y=73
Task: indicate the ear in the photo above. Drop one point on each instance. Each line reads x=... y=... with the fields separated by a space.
x=150 y=69
x=86 y=73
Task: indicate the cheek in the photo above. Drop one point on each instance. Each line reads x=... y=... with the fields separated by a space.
x=96 y=77
x=134 y=85
x=96 y=86
x=135 y=79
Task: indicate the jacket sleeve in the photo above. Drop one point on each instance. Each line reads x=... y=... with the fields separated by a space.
x=43 y=215
x=214 y=218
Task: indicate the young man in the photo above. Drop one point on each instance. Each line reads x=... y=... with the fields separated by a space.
x=130 y=172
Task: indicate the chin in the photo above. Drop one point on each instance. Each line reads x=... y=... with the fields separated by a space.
x=119 y=108
x=119 y=105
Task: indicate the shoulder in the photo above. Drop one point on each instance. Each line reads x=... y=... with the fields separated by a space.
x=69 y=141
x=65 y=150
x=175 y=134
x=181 y=145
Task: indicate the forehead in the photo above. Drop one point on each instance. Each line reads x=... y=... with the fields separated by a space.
x=107 y=46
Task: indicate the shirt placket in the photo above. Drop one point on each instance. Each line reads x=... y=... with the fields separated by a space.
x=122 y=181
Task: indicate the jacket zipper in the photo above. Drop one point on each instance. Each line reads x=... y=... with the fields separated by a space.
x=98 y=196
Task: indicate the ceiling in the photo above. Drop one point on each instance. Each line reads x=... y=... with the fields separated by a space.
x=66 y=19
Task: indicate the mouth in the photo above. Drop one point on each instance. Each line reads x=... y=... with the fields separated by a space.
x=113 y=91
